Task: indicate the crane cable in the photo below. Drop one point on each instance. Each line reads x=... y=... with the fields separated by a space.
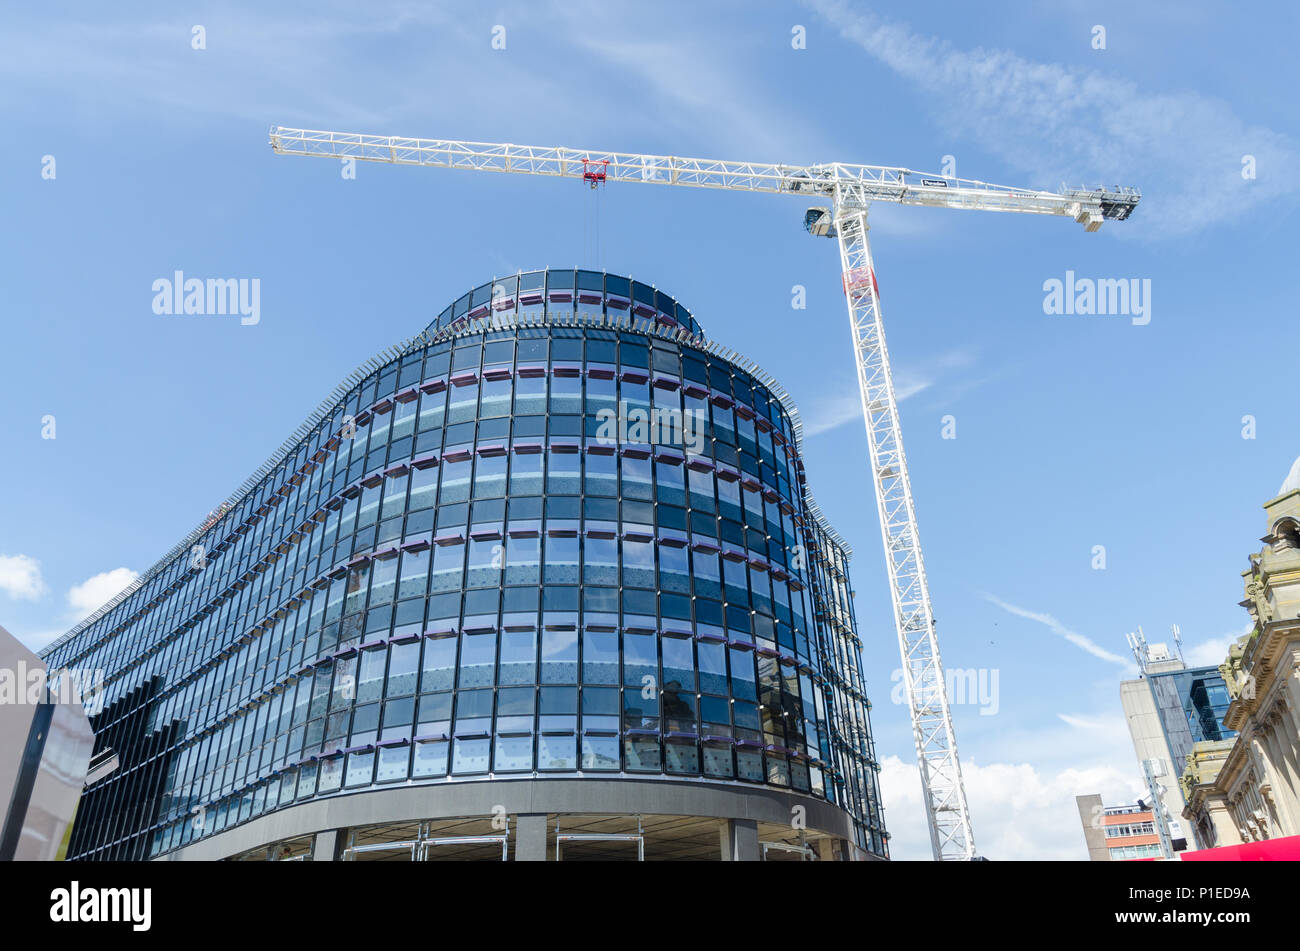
x=592 y=212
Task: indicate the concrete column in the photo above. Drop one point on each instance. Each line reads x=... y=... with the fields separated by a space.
x=1285 y=741
x=739 y=840
x=1289 y=672
x=1264 y=775
x=1094 y=837
x=1280 y=821
x=1291 y=755
x=1225 y=829
x=826 y=850
x=530 y=838
x=326 y=846
x=1285 y=789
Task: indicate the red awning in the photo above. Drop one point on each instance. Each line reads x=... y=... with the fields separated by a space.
x=1270 y=850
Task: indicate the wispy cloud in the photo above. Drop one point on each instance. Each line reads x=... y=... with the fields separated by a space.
x=686 y=80
x=830 y=412
x=1092 y=723
x=1056 y=123
x=1060 y=630
x=821 y=415
x=575 y=66
x=911 y=379
x=263 y=66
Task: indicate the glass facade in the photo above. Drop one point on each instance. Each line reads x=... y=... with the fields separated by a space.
x=458 y=573
x=588 y=296
x=1191 y=704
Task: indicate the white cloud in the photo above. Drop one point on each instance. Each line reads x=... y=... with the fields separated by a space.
x=1058 y=123
x=20 y=577
x=1214 y=650
x=1056 y=627
x=1210 y=653
x=82 y=599
x=1017 y=810
x=95 y=591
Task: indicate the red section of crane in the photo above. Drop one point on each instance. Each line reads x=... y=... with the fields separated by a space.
x=595 y=172
x=857 y=279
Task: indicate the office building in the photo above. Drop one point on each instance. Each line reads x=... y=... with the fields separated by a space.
x=1118 y=833
x=544 y=581
x=1169 y=708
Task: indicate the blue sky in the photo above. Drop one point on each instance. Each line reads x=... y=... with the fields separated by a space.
x=1072 y=432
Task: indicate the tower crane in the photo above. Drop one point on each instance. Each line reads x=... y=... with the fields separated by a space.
x=850 y=189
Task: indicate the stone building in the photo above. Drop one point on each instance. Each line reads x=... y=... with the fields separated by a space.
x=1249 y=790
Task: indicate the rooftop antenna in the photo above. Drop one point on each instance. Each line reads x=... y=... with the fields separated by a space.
x=1138 y=644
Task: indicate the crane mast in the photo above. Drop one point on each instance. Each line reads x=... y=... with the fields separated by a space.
x=850 y=190
x=936 y=743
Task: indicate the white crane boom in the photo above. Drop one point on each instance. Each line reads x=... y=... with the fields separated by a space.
x=860 y=184
x=851 y=189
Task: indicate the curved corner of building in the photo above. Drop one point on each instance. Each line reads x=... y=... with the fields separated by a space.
x=544 y=581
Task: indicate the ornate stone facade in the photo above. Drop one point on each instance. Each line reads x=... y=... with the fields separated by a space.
x=1249 y=790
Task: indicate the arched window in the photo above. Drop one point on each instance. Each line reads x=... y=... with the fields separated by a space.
x=1286 y=535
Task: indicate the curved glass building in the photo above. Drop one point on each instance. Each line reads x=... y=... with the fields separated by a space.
x=544 y=581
